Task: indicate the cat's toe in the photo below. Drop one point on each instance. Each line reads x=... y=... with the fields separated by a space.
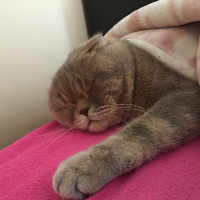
x=83 y=174
x=74 y=180
x=65 y=184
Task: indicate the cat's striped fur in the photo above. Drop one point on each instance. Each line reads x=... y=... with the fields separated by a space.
x=107 y=82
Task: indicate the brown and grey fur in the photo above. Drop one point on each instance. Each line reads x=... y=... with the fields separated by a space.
x=106 y=82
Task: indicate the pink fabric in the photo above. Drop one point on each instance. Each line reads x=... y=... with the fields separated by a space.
x=168 y=30
x=27 y=167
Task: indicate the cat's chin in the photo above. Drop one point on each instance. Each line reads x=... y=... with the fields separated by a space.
x=98 y=126
x=92 y=126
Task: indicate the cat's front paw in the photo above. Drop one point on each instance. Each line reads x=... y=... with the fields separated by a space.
x=83 y=174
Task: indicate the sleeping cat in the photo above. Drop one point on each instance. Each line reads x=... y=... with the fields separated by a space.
x=106 y=82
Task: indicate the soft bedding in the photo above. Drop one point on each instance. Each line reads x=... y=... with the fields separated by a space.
x=27 y=167
x=169 y=30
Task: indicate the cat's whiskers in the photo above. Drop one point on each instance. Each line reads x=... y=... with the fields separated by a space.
x=132 y=109
x=50 y=133
x=125 y=108
x=61 y=136
x=128 y=104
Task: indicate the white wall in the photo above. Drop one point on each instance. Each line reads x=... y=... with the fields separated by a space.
x=35 y=38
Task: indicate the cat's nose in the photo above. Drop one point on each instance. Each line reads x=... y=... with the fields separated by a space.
x=84 y=111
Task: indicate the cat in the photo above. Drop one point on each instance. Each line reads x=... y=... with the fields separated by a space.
x=105 y=82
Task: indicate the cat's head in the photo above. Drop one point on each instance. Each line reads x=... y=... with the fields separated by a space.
x=93 y=87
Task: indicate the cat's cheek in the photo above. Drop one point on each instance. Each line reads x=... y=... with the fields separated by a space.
x=65 y=123
x=64 y=117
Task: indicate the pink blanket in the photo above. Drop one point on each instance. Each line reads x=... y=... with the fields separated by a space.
x=27 y=167
x=169 y=30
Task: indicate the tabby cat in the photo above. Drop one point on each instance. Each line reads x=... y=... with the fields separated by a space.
x=106 y=82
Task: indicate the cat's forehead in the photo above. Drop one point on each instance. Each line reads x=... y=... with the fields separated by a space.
x=95 y=55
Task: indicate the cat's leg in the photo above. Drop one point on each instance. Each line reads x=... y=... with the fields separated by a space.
x=167 y=125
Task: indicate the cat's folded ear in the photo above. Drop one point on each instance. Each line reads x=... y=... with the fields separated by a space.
x=95 y=43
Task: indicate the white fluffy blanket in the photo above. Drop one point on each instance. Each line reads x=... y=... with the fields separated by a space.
x=167 y=29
